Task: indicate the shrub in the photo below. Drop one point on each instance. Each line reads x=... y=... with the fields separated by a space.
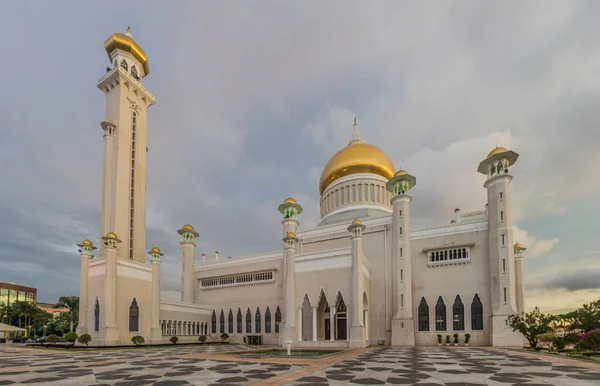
x=224 y=336
x=174 y=339
x=439 y=338
x=41 y=340
x=547 y=340
x=572 y=338
x=138 y=340
x=467 y=337
x=202 y=338
x=590 y=341
x=447 y=339
x=559 y=343
x=52 y=338
x=71 y=337
x=84 y=339
x=455 y=338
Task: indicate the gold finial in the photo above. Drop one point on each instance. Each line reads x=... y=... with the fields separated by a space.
x=128 y=31
x=356 y=139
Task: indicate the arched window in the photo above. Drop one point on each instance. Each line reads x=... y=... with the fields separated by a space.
x=277 y=319
x=440 y=315
x=222 y=322
x=134 y=316
x=239 y=321
x=267 y=321
x=134 y=72
x=257 y=322
x=124 y=64
x=476 y=314
x=423 y=315
x=97 y=315
x=213 y=324
x=230 y=322
x=458 y=315
x=248 y=322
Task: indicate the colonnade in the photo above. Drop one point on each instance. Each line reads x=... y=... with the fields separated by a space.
x=183 y=328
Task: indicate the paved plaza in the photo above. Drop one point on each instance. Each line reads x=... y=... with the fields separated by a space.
x=211 y=365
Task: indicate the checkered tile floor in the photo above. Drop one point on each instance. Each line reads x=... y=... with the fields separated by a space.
x=383 y=366
x=451 y=367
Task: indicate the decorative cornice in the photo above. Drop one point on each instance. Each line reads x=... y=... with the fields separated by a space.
x=118 y=71
x=262 y=257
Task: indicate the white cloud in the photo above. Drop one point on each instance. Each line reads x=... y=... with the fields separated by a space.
x=535 y=247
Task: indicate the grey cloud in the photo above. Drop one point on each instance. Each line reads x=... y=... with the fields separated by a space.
x=578 y=279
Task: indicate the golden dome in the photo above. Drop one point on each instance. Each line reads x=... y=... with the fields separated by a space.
x=86 y=242
x=127 y=44
x=400 y=172
x=290 y=234
x=155 y=250
x=290 y=200
x=518 y=246
x=356 y=222
x=456 y=209
x=452 y=221
x=496 y=151
x=188 y=227
x=356 y=158
x=111 y=235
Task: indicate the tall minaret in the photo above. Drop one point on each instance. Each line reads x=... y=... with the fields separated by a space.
x=501 y=256
x=86 y=250
x=519 y=283
x=124 y=178
x=403 y=329
x=290 y=211
x=188 y=246
x=357 y=325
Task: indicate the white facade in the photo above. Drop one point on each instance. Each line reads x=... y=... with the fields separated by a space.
x=361 y=277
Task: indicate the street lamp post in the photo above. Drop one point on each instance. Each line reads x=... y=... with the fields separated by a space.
x=45 y=327
x=29 y=333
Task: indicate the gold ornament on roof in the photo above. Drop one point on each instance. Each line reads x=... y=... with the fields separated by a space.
x=400 y=172
x=155 y=250
x=356 y=222
x=111 y=235
x=497 y=150
x=290 y=200
x=126 y=43
x=290 y=234
x=86 y=242
x=518 y=246
x=188 y=227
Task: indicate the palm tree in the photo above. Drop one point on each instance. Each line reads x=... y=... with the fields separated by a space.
x=72 y=303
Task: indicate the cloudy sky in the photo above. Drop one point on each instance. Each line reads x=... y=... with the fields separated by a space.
x=254 y=97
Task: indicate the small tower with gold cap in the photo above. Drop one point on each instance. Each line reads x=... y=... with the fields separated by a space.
x=402 y=322
x=86 y=250
x=357 y=325
x=519 y=283
x=155 y=330
x=501 y=254
x=111 y=331
x=188 y=247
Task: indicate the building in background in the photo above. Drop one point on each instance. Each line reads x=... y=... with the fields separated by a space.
x=52 y=309
x=11 y=292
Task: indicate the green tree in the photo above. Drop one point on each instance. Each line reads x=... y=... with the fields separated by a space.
x=84 y=339
x=71 y=337
x=531 y=324
x=72 y=303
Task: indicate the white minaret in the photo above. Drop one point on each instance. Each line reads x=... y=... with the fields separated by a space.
x=111 y=330
x=155 y=329
x=188 y=246
x=357 y=326
x=519 y=283
x=403 y=329
x=124 y=178
x=86 y=252
x=290 y=210
x=501 y=255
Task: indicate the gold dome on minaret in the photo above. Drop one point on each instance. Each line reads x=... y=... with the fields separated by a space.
x=496 y=151
x=357 y=157
x=126 y=43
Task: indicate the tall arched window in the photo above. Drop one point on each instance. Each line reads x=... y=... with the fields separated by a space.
x=257 y=322
x=124 y=64
x=248 y=322
x=222 y=322
x=440 y=315
x=476 y=314
x=230 y=322
x=458 y=314
x=97 y=315
x=134 y=72
x=267 y=321
x=239 y=321
x=213 y=323
x=277 y=319
x=134 y=316
x=423 y=315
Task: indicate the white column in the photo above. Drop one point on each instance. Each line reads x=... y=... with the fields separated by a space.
x=107 y=221
x=331 y=324
x=366 y=323
x=299 y=324
x=83 y=294
x=519 y=284
x=314 y=323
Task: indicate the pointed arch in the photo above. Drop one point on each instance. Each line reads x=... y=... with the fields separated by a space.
x=230 y=322
x=268 y=321
x=257 y=323
x=239 y=321
x=96 y=315
x=248 y=321
x=440 y=315
x=213 y=324
x=277 y=319
x=320 y=297
x=134 y=316
x=458 y=314
x=222 y=322
x=124 y=64
x=423 y=315
x=476 y=314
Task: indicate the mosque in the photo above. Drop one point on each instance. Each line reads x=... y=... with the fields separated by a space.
x=362 y=277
